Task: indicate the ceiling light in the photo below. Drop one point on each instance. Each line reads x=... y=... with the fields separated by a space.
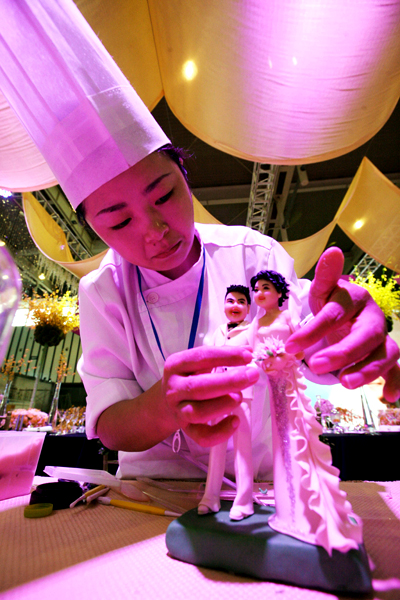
x=5 y=193
x=189 y=70
x=358 y=224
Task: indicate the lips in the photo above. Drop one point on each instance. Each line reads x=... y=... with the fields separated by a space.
x=166 y=253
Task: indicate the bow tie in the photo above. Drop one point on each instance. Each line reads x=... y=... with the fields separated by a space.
x=232 y=326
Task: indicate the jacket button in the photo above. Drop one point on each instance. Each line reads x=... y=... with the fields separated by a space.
x=152 y=298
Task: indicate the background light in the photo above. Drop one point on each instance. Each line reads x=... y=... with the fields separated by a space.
x=189 y=70
x=5 y=193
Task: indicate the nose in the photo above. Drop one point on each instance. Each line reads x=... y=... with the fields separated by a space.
x=156 y=229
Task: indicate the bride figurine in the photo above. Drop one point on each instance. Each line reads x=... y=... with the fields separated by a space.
x=236 y=308
x=309 y=504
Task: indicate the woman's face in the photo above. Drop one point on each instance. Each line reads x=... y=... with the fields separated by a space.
x=146 y=215
x=266 y=295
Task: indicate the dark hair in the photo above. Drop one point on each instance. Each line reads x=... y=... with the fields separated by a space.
x=177 y=155
x=277 y=280
x=241 y=289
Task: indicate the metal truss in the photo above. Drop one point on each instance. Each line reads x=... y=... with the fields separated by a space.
x=261 y=196
x=365 y=265
x=268 y=194
x=78 y=248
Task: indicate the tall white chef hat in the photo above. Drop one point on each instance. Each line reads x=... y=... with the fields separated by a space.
x=78 y=107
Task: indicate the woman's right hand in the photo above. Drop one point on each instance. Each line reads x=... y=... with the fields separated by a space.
x=196 y=396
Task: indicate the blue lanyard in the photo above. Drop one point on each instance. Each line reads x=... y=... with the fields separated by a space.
x=196 y=314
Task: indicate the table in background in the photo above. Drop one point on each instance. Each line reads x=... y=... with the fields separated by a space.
x=365 y=456
x=358 y=456
x=104 y=552
x=71 y=450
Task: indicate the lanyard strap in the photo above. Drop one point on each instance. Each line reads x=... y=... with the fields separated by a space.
x=196 y=314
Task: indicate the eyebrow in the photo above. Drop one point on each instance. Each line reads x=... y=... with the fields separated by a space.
x=155 y=183
x=112 y=208
x=122 y=205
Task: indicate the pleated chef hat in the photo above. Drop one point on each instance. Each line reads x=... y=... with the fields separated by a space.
x=74 y=101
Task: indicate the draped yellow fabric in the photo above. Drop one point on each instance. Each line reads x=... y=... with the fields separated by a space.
x=370 y=215
x=51 y=241
x=201 y=214
x=276 y=82
x=45 y=232
x=279 y=82
x=83 y=267
x=372 y=200
x=22 y=166
x=306 y=252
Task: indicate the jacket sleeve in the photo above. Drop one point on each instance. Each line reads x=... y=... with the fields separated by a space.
x=105 y=364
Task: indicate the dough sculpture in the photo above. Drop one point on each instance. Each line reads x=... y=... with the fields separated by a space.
x=309 y=504
x=236 y=308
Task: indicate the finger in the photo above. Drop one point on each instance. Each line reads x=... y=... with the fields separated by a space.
x=379 y=362
x=347 y=302
x=210 y=385
x=211 y=435
x=357 y=346
x=206 y=358
x=327 y=273
x=391 y=390
x=207 y=410
x=331 y=317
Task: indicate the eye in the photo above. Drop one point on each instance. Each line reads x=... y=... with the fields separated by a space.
x=165 y=198
x=121 y=225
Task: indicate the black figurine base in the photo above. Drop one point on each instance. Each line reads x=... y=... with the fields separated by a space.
x=250 y=547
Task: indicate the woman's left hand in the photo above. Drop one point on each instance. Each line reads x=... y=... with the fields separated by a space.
x=354 y=328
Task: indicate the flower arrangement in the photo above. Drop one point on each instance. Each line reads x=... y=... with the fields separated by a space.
x=390 y=416
x=53 y=316
x=385 y=291
x=323 y=407
x=11 y=366
x=31 y=417
x=63 y=369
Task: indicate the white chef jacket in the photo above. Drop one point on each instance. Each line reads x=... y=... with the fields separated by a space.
x=120 y=357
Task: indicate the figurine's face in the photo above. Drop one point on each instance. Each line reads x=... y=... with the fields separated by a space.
x=265 y=295
x=236 y=307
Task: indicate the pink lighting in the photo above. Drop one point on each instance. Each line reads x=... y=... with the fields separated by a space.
x=277 y=81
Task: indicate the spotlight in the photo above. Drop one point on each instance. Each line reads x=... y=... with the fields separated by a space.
x=5 y=193
x=189 y=70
